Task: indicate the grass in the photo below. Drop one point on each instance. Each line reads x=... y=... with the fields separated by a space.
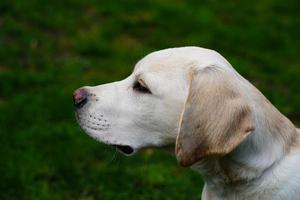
x=48 y=49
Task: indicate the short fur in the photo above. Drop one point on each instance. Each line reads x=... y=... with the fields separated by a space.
x=221 y=125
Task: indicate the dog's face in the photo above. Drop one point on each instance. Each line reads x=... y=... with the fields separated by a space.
x=140 y=111
x=169 y=95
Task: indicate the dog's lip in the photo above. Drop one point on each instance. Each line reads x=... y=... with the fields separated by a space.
x=125 y=149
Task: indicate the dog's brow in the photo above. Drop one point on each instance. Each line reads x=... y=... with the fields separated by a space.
x=139 y=77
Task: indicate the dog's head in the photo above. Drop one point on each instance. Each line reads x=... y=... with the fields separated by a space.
x=189 y=96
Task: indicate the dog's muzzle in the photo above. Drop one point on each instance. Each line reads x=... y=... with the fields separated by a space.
x=92 y=121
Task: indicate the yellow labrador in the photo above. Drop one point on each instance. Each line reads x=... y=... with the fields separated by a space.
x=218 y=122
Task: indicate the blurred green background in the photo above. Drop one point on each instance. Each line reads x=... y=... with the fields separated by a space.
x=50 y=48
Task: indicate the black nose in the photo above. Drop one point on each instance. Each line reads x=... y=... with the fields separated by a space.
x=80 y=97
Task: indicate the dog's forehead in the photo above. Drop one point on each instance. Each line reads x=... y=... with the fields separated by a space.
x=178 y=59
x=159 y=63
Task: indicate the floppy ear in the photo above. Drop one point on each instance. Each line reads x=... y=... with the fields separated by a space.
x=215 y=118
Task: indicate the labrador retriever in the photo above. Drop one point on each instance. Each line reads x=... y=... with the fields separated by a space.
x=218 y=123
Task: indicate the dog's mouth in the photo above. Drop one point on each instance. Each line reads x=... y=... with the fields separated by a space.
x=125 y=149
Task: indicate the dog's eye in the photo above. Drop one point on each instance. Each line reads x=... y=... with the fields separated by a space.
x=141 y=87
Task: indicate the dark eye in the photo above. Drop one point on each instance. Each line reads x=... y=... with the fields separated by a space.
x=141 y=87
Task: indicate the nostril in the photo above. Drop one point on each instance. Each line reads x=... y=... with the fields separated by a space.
x=80 y=97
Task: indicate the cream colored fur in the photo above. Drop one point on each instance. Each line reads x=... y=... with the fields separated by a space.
x=221 y=124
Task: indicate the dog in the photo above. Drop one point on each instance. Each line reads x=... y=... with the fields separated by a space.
x=219 y=124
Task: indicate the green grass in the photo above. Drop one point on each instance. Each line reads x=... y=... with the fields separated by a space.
x=48 y=49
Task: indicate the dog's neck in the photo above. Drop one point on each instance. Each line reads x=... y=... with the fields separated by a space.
x=254 y=159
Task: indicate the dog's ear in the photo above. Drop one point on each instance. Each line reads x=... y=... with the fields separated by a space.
x=215 y=119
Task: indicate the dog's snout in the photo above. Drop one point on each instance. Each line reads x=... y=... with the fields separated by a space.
x=80 y=97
